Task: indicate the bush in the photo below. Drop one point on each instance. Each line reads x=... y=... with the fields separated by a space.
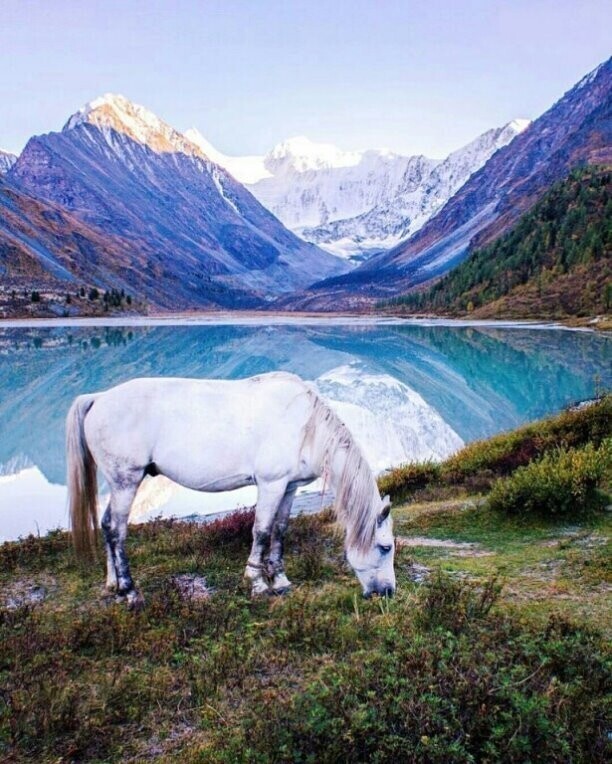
x=404 y=480
x=451 y=605
x=476 y=465
x=487 y=692
x=563 y=482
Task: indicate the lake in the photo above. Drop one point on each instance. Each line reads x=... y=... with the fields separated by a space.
x=407 y=390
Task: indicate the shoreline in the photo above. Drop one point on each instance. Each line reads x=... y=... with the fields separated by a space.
x=258 y=318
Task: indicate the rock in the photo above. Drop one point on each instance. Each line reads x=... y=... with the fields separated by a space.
x=417 y=573
x=25 y=594
x=192 y=587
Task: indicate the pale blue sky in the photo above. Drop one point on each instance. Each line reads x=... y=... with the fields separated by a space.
x=419 y=76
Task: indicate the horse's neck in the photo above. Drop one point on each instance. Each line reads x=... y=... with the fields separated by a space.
x=346 y=471
x=333 y=453
x=335 y=466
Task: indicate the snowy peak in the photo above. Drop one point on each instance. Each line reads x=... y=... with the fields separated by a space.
x=7 y=160
x=355 y=203
x=300 y=154
x=246 y=169
x=117 y=113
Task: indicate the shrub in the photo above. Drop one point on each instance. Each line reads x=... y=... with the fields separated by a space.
x=503 y=453
x=451 y=604
x=408 y=478
x=491 y=692
x=563 y=482
x=233 y=528
x=476 y=465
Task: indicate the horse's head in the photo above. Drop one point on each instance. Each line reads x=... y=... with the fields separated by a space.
x=374 y=564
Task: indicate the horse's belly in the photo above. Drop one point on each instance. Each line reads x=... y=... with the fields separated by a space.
x=201 y=480
x=205 y=455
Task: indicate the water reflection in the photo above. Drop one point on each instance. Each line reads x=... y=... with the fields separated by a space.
x=416 y=391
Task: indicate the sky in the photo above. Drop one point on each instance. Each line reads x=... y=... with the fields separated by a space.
x=416 y=76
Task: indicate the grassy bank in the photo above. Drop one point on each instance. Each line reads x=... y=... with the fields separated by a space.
x=496 y=647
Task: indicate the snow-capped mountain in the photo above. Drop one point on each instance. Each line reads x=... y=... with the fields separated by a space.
x=7 y=160
x=201 y=237
x=246 y=169
x=354 y=203
x=576 y=130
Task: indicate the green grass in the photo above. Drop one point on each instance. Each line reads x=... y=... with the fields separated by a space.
x=456 y=670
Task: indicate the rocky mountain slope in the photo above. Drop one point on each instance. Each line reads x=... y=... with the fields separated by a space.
x=197 y=234
x=355 y=203
x=555 y=262
x=576 y=130
x=42 y=243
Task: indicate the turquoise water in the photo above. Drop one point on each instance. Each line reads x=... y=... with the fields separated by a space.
x=457 y=383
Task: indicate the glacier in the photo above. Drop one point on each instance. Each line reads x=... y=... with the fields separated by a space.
x=355 y=203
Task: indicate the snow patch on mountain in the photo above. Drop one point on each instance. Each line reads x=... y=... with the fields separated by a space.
x=7 y=160
x=353 y=203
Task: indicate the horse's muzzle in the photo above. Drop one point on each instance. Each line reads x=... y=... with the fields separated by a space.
x=385 y=590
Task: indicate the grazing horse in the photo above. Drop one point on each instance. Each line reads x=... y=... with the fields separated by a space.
x=272 y=431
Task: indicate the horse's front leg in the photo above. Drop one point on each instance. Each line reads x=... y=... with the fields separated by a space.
x=275 y=565
x=269 y=496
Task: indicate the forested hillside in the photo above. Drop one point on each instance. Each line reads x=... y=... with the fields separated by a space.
x=555 y=262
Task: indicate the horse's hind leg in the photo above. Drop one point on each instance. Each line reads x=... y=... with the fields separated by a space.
x=115 y=523
x=111 y=571
x=269 y=496
x=275 y=563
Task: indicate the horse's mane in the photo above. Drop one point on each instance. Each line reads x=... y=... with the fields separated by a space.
x=355 y=485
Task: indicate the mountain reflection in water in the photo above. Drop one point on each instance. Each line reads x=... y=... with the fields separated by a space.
x=406 y=392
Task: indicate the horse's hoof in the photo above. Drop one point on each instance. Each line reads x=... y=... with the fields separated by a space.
x=280 y=583
x=260 y=589
x=279 y=591
x=135 y=601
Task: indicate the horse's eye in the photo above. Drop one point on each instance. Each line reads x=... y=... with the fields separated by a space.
x=384 y=548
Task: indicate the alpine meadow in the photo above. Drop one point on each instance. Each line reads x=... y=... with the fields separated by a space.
x=305 y=382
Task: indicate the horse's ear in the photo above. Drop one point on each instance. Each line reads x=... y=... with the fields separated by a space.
x=385 y=509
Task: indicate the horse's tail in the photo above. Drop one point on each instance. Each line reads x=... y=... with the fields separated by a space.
x=81 y=479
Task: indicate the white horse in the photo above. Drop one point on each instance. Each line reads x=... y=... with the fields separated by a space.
x=271 y=430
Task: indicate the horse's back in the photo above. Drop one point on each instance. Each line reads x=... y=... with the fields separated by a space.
x=205 y=420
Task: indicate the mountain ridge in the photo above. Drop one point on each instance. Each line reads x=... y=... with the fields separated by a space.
x=355 y=203
x=577 y=129
x=555 y=262
x=119 y=168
